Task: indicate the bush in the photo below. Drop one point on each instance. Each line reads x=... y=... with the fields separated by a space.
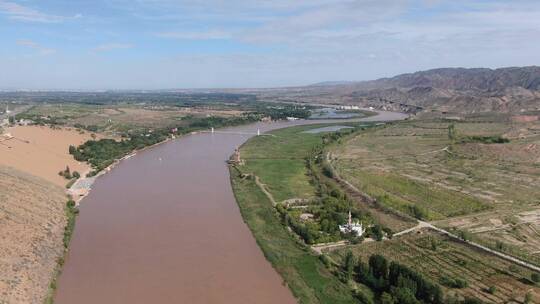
x=453 y=283
x=535 y=277
x=464 y=235
x=325 y=260
x=485 y=139
x=363 y=298
x=327 y=170
x=418 y=212
x=75 y=174
x=376 y=232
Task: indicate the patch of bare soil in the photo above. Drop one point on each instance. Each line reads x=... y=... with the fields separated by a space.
x=41 y=151
x=32 y=224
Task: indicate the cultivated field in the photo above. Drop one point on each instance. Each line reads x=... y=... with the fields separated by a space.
x=490 y=189
x=121 y=117
x=488 y=278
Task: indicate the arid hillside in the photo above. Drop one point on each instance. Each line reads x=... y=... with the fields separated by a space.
x=32 y=222
x=446 y=90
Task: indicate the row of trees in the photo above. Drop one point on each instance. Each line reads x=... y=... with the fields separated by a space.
x=102 y=153
x=392 y=282
x=283 y=111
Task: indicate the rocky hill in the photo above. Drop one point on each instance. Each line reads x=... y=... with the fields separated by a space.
x=453 y=90
x=461 y=79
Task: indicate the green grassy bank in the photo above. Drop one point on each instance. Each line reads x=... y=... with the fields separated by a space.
x=304 y=272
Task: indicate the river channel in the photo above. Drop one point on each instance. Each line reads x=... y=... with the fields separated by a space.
x=163 y=227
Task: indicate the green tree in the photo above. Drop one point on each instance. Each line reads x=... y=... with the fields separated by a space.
x=349 y=264
x=377 y=233
x=452 y=132
x=528 y=298
x=379 y=266
x=404 y=296
x=387 y=298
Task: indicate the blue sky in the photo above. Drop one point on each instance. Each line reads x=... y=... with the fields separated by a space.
x=157 y=44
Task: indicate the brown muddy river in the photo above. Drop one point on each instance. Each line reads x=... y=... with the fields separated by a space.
x=164 y=227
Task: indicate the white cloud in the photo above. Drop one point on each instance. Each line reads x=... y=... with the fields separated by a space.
x=19 y=12
x=201 y=35
x=35 y=46
x=112 y=46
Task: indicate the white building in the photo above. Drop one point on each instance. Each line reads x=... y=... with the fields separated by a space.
x=350 y=227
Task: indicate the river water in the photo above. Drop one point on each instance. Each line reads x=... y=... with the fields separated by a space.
x=164 y=227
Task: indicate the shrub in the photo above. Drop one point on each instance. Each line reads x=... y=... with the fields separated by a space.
x=418 y=212
x=453 y=283
x=325 y=260
x=376 y=232
x=535 y=277
x=327 y=170
x=348 y=264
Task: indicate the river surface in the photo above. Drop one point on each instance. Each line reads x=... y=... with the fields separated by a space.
x=164 y=227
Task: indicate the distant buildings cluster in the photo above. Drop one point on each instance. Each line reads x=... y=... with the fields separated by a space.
x=348 y=107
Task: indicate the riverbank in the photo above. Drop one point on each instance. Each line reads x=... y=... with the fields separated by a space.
x=305 y=274
x=82 y=187
x=282 y=204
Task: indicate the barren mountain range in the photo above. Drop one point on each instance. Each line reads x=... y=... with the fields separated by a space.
x=447 y=90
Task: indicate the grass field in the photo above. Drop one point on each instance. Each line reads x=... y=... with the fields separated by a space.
x=304 y=273
x=279 y=161
x=439 y=257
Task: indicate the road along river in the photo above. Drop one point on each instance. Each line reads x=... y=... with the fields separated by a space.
x=164 y=227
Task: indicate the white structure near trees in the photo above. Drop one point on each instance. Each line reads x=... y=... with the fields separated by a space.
x=352 y=227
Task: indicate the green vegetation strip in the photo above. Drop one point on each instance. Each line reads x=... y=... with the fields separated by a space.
x=304 y=273
x=71 y=214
